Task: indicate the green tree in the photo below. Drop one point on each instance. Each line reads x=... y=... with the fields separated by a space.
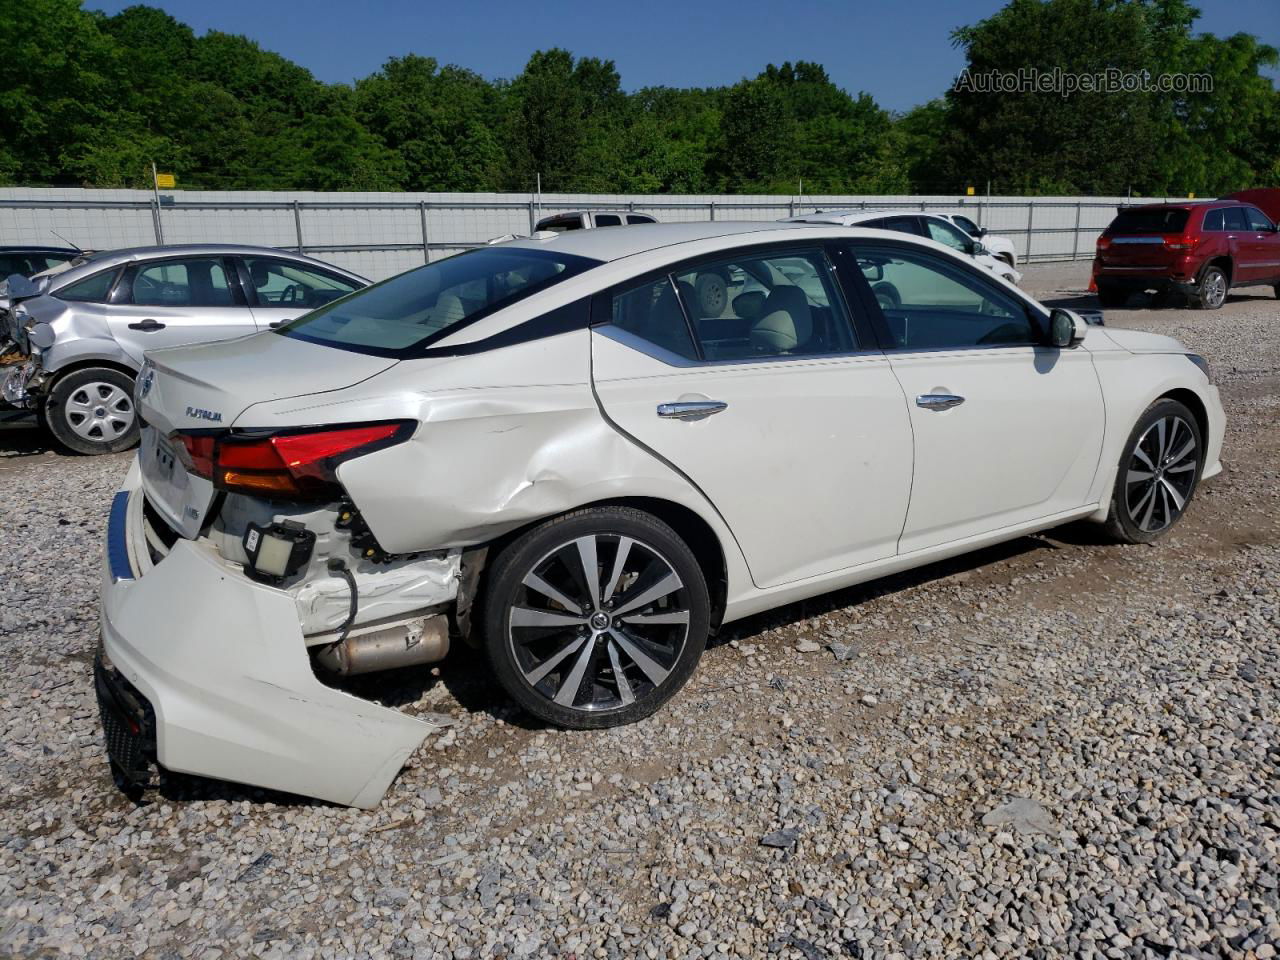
x=753 y=152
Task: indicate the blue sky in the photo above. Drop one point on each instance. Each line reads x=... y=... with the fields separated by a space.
x=897 y=50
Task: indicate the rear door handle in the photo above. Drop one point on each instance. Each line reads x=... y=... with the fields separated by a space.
x=938 y=401
x=147 y=326
x=690 y=409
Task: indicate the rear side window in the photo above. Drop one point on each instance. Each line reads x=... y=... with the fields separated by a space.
x=945 y=233
x=634 y=218
x=89 y=290
x=930 y=304
x=901 y=224
x=1160 y=220
x=411 y=311
x=652 y=312
x=196 y=282
x=1257 y=219
x=1213 y=220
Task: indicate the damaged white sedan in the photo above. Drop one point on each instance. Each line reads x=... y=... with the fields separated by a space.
x=567 y=452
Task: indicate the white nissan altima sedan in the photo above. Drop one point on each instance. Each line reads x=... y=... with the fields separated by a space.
x=553 y=449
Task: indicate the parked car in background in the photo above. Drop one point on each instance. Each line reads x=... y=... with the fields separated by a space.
x=547 y=441
x=1001 y=247
x=83 y=329
x=26 y=261
x=590 y=219
x=1199 y=250
x=929 y=225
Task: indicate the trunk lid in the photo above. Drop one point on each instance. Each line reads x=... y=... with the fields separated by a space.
x=205 y=388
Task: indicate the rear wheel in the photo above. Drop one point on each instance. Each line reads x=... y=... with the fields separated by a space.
x=1212 y=292
x=91 y=411
x=1158 y=473
x=597 y=618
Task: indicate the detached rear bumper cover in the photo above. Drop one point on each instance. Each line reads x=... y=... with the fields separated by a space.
x=223 y=663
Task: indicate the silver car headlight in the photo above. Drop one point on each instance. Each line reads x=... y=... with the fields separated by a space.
x=1202 y=363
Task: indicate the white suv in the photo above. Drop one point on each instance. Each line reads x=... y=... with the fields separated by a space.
x=548 y=448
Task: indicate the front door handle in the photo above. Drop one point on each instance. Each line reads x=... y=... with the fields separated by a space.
x=938 y=401
x=147 y=326
x=278 y=323
x=690 y=409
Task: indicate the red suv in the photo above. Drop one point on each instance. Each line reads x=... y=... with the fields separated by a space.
x=1199 y=249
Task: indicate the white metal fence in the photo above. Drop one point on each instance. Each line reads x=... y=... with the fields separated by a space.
x=379 y=234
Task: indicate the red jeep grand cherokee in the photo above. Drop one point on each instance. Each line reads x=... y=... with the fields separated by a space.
x=1200 y=249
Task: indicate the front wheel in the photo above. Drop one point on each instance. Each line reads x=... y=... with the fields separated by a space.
x=91 y=411
x=1158 y=473
x=597 y=618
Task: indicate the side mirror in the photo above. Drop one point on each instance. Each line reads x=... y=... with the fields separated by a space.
x=1066 y=328
x=21 y=288
x=982 y=231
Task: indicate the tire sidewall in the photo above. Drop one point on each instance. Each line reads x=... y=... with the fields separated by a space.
x=1201 y=300
x=517 y=559
x=55 y=418
x=1120 y=521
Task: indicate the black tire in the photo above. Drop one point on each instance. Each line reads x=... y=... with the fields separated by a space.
x=1211 y=293
x=597 y=641
x=1136 y=517
x=1114 y=297
x=72 y=407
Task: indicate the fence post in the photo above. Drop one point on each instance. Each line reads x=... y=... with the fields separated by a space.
x=711 y=208
x=1031 y=212
x=155 y=222
x=793 y=207
x=1075 y=237
x=426 y=246
x=533 y=217
x=297 y=222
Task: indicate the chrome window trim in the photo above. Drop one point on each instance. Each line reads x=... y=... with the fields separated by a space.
x=628 y=339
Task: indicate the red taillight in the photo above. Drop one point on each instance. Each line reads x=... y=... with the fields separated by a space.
x=1104 y=243
x=1179 y=243
x=289 y=465
x=199 y=453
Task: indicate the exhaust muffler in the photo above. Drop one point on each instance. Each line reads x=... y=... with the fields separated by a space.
x=404 y=645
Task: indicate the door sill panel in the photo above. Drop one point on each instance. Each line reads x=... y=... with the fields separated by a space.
x=756 y=601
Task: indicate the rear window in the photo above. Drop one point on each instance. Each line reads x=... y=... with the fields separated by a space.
x=1159 y=220
x=409 y=312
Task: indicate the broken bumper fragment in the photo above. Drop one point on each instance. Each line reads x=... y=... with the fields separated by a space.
x=222 y=663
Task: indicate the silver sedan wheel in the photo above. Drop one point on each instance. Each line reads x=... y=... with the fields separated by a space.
x=1161 y=474
x=598 y=622
x=99 y=412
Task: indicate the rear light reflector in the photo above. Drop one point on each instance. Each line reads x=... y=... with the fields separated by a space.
x=294 y=466
x=1104 y=243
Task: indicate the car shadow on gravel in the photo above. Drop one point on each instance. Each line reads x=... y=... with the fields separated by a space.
x=21 y=436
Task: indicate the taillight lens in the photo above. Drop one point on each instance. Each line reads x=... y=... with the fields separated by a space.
x=297 y=466
x=1104 y=243
x=1179 y=243
x=199 y=453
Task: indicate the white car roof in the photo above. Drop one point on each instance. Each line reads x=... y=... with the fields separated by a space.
x=613 y=243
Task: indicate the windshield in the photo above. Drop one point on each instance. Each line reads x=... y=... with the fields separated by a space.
x=411 y=311
x=1151 y=220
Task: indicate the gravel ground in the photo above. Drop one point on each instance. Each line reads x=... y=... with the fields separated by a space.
x=1056 y=747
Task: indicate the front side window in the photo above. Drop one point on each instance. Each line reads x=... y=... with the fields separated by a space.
x=279 y=283
x=409 y=312
x=945 y=233
x=930 y=304
x=92 y=289
x=1257 y=219
x=198 y=282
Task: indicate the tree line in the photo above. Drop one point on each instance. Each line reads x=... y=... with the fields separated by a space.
x=92 y=100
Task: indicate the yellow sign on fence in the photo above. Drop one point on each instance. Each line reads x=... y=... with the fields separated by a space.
x=969 y=191
x=166 y=180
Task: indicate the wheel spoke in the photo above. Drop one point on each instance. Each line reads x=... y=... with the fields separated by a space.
x=536 y=675
x=658 y=617
x=1137 y=476
x=619 y=562
x=625 y=693
x=538 y=585
x=1186 y=449
x=1148 y=500
x=568 y=691
x=1146 y=461
x=590 y=569
x=1161 y=440
x=650 y=667
x=1181 y=468
x=529 y=617
x=1178 y=500
x=668 y=584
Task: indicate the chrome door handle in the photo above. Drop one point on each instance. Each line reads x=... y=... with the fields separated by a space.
x=690 y=410
x=148 y=325
x=938 y=401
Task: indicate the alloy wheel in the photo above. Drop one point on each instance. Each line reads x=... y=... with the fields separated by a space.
x=1161 y=473
x=1214 y=290
x=598 y=622
x=99 y=412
